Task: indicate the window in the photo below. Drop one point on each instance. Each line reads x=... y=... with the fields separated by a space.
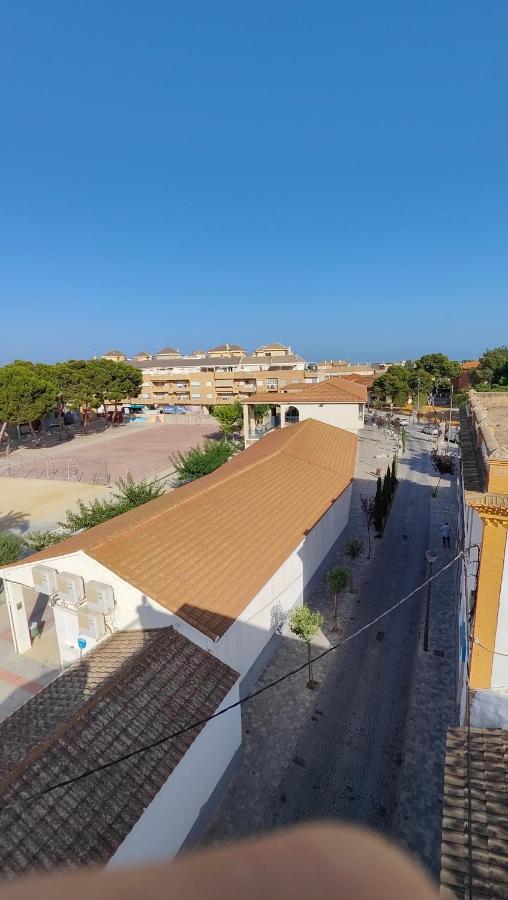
x=146 y=396
x=272 y=384
x=208 y=383
x=195 y=384
x=209 y=396
x=195 y=396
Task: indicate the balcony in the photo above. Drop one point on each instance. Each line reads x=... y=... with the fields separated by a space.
x=246 y=388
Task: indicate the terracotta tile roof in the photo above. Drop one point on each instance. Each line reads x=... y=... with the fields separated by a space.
x=489 y=790
x=367 y=380
x=328 y=391
x=204 y=550
x=470 y=364
x=133 y=688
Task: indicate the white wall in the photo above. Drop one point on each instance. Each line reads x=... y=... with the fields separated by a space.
x=163 y=827
x=242 y=643
x=249 y=634
x=342 y=415
x=500 y=663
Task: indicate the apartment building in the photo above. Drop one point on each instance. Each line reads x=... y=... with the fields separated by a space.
x=223 y=374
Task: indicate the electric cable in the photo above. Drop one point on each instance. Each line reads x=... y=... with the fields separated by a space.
x=201 y=722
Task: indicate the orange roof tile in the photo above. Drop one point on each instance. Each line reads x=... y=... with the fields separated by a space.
x=470 y=364
x=328 y=391
x=205 y=550
x=367 y=380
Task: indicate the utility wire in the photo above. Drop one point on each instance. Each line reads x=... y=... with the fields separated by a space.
x=200 y=722
x=488 y=649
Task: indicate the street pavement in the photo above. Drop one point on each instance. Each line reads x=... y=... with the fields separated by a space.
x=342 y=751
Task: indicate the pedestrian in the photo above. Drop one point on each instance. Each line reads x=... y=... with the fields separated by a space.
x=445 y=534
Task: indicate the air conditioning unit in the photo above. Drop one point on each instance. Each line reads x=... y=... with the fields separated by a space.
x=44 y=579
x=70 y=588
x=91 y=624
x=100 y=597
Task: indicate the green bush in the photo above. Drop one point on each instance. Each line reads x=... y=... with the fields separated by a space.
x=11 y=547
x=201 y=461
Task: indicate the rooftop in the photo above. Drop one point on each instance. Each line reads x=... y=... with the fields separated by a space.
x=183 y=549
x=132 y=688
x=226 y=348
x=489 y=813
x=329 y=391
x=490 y=412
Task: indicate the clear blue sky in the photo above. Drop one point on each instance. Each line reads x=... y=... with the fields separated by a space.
x=330 y=174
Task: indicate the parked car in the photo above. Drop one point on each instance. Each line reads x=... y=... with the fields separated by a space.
x=430 y=429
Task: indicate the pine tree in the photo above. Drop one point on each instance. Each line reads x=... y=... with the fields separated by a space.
x=394 y=472
x=378 y=506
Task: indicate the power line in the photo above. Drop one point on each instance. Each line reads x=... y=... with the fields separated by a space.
x=199 y=723
x=488 y=649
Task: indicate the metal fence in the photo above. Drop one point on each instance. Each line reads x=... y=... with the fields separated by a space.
x=62 y=469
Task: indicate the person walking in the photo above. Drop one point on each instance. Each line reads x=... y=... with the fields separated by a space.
x=445 y=534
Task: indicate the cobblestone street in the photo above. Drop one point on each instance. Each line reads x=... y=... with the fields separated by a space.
x=353 y=749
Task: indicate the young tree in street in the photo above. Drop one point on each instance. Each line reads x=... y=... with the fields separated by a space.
x=403 y=439
x=228 y=416
x=378 y=506
x=199 y=461
x=337 y=581
x=354 y=548
x=305 y=623
x=367 y=504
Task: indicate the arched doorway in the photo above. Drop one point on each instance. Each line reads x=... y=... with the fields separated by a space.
x=292 y=415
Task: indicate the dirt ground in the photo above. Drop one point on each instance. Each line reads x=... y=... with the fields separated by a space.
x=27 y=503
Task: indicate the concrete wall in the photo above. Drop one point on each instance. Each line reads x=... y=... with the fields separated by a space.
x=342 y=415
x=182 y=806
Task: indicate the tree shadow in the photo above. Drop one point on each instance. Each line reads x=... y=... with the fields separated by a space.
x=14 y=520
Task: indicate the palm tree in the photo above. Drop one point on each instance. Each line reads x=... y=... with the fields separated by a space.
x=337 y=581
x=353 y=550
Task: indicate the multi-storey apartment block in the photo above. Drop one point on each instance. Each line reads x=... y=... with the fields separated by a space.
x=223 y=374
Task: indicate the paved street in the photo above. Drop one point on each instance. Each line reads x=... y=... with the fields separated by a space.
x=343 y=755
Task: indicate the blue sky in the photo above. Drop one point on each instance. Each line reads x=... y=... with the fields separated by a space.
x=329 y=174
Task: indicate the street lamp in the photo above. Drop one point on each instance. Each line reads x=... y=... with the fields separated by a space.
x=431 y=557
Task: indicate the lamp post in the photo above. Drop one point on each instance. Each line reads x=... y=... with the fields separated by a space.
x=431 y=557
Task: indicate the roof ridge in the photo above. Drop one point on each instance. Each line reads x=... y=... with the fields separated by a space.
x=89 y=704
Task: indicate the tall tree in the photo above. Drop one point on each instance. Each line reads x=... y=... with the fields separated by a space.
x=228 y=416
x=25 y=396
x=393 y=386
x=493 y=367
